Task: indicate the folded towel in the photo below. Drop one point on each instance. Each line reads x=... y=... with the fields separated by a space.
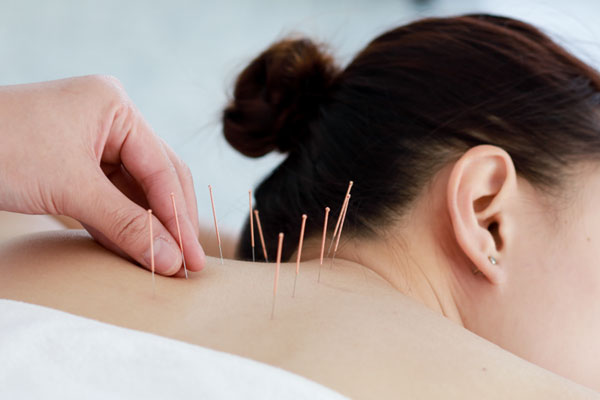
x=45 y=353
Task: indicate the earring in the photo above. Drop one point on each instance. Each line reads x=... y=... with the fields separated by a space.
x=492 y=260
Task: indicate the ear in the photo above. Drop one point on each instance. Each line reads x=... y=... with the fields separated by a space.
x=480 y=185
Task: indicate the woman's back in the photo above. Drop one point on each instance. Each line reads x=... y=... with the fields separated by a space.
x=351 y=331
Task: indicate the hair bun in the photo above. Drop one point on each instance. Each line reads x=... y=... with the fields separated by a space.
x=276 y=96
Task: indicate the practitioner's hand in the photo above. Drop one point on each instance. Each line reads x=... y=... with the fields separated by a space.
x=79 y=147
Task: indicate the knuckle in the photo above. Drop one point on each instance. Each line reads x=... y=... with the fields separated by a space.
x=125 y=110
x=153 y=179
x=126 y=228
x=108 y=80
x=186 y=172
x=171 y=221
x=108 y=85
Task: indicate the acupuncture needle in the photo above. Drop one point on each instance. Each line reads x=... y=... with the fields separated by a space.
x=179 y=233
x=152 y=253
x=327 y=209
x=260 y=234
x=340 y=218
x=212 y=202
x=299 y=252
x=341 y=227
x=277 y=265
x=337 y=225
x=251 y=226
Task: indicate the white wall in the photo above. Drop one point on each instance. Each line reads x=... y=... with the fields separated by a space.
x=177 y=59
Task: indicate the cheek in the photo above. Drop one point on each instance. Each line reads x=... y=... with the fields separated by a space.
x=580 y=260
x=563 y=260
x=575 y=269
x=556 y=303
x=549 y=310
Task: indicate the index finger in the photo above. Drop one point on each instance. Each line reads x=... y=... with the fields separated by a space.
x=147 y=161
x=187 y=183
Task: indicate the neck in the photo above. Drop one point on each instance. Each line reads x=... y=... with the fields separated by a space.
x=414 y=265
x=416 y=271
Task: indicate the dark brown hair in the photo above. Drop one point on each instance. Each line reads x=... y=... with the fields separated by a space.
x=416 y=98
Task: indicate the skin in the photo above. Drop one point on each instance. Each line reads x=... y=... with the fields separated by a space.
x=91 y=155
x=392 y=318
x=540 y=301
x=353 y=332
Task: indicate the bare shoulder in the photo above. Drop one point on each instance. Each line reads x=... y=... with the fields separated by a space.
x=349 y=331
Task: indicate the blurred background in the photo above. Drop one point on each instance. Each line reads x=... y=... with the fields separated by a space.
x=178 y=59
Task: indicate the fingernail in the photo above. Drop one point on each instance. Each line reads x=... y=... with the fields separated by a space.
x=167 y=258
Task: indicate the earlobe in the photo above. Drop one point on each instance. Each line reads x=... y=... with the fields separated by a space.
x=479 y=187
x=492 y=259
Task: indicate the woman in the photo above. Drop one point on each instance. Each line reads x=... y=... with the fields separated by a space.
x=472 y=144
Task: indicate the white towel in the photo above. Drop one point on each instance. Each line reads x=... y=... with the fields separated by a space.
x=45 y=353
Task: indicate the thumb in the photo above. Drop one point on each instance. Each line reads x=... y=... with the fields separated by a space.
x=124 y=227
